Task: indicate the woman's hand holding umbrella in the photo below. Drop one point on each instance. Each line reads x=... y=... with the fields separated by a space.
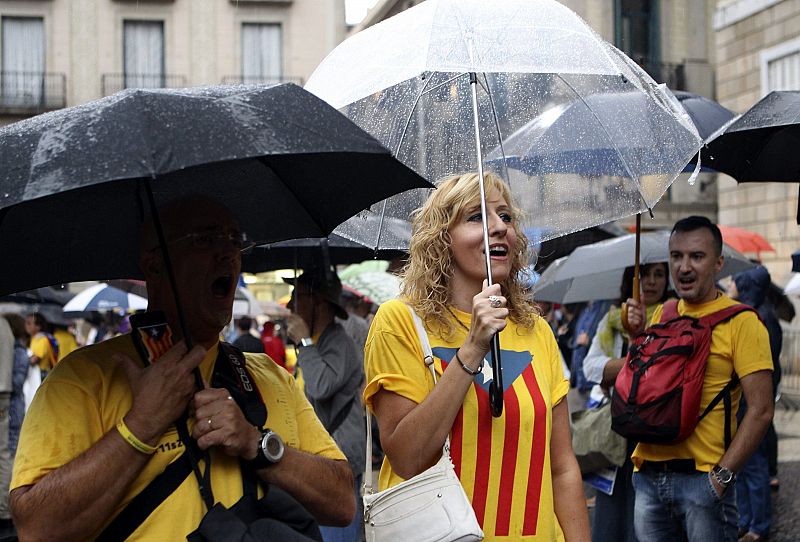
x=489 y=317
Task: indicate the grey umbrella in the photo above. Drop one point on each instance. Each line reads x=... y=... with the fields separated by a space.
x=595 y=271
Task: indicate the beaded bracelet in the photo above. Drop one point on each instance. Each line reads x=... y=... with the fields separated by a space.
x=467 y=369
x=131 y=439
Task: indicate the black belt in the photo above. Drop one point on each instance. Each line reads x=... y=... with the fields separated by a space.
x=684 y=466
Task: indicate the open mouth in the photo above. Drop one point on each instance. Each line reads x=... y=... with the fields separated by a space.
x=498 y=251
x=222 y=286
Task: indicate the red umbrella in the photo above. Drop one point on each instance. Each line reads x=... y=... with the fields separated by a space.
x=745 y=240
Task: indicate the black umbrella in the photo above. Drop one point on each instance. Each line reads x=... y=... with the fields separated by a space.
x=77 y=183
x=761 y=145
x=316 y=253
x=707 y=115
x=40 y=296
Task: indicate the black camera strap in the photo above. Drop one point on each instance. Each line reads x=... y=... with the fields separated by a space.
x=229 y=373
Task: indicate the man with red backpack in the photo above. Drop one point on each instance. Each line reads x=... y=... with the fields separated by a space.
x=685 y=486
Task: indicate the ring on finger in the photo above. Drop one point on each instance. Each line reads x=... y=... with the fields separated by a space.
x=494 y=301
x=209 y=423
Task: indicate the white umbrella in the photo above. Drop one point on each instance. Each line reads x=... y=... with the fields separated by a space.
x=793 y=288
x=102 y=297
x=246 y=304
x=595 y=271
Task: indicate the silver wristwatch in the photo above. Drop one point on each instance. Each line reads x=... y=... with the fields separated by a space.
x=723 y=476
x=270 y=450
x=306 y=341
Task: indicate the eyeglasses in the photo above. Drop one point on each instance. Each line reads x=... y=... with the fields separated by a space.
x=207 y=240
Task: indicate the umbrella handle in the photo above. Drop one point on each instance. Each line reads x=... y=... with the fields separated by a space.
x=635 y=294
x=496 y=385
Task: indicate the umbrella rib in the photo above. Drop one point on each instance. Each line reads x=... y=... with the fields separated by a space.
x=496 y=121
x=610 y=140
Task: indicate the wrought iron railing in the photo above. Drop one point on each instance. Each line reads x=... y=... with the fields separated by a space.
x=114 y=82
x=32 y=92
x=259 y=80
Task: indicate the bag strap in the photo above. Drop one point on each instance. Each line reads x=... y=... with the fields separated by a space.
x=428 y=359
x=226 y=375
x=669 y=310
x=725 y=314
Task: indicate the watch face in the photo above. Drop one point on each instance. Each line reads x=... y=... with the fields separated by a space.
x=272 y=446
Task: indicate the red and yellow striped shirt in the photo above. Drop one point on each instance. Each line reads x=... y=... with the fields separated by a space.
x=503 y=463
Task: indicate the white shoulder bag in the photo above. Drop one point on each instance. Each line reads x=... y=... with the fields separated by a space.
x=431 y=506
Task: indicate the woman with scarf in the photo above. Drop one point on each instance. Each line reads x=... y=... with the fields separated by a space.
x=613 y=514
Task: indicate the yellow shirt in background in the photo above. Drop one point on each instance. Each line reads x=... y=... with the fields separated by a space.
x=742 y=345
x=41 y=347
x=66 y=343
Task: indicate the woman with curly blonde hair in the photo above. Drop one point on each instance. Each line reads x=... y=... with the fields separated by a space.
x=518 y=469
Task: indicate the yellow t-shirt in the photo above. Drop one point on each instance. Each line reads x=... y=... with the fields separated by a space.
x=742 y=345
x=66 y=343
x=85 y=396
x=503 y=463
x=41 y=347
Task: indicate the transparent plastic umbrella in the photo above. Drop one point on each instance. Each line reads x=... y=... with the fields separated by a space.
x=447 y=82
x=621 y=142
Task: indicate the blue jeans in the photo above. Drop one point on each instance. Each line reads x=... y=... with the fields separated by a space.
x=753 y=493
x=673 y=506
x=353 y=532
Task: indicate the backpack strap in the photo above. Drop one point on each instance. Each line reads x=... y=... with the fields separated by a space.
x=669 y=310
x=230 y=373
x=724 y=395
x=725 y=314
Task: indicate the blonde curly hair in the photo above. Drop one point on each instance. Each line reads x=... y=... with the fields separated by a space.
x=425 y=281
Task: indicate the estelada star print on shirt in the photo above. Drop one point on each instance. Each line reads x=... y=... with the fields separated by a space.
x=503 y=463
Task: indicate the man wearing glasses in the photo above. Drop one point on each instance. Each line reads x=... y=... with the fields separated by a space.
x=103 y=427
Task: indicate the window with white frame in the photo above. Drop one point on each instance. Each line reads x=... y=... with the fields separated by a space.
x=23 y=58
x=262 y=53
x=780 y=67
x=143 y=52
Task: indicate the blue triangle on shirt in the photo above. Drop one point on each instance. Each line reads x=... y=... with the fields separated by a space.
x=513 y=363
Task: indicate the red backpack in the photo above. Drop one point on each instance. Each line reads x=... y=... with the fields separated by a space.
x=657 y=393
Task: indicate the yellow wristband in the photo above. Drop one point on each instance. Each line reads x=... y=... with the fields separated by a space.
x=131 y=439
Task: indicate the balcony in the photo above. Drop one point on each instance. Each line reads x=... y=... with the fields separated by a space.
x=30 y=93
x=114 y=82
x=260 y=80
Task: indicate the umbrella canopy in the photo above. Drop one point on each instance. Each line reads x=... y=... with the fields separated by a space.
x=745 y=240
x=761 y=145
x=707 y=115
x=407 y=81
x=793 y=286
x=246 y=304
x=375 y=286
x=75 y=183
x=39 y=296
x=103 y=297
x=317 y=253
x=595 y=271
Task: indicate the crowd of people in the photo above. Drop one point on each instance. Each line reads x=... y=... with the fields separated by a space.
x=122 y=435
